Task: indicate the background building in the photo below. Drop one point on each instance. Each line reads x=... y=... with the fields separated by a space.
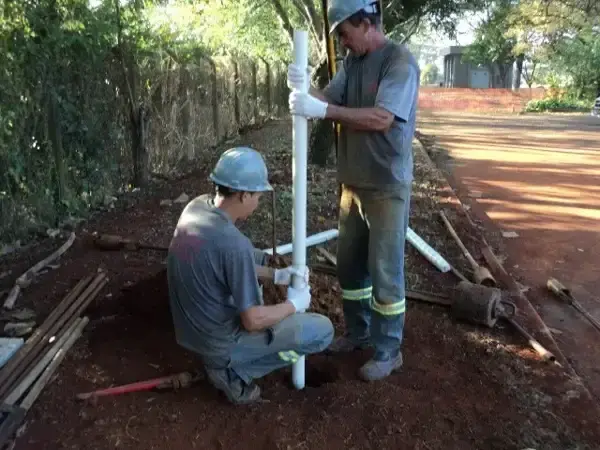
x=461 y=74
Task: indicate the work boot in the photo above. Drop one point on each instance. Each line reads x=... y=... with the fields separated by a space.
x=380 y=366
x=344 y=344
x=233 y=387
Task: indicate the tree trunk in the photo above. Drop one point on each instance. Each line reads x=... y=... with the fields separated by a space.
x=255 y=110
x=54 y=135
x=139 y=132
x=236 y=95
x=187 y=114
x=516 y=82
x=268 y=87
x=138 y=116
x=322 y=138
x=214 y=99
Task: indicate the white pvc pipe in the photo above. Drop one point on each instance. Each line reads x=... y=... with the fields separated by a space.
x=299 y=175
x=427 y=251
x=314 y=239
x=413 y=238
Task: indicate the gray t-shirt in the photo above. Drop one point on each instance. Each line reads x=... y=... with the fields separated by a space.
x=212 y=279
x=386 y=78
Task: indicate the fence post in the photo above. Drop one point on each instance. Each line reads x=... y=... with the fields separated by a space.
x=283 y=90
x=236 y=93
x=55 y=137
x=187 y=115
x=254 y=92
x=214 y=89
x=268 y=82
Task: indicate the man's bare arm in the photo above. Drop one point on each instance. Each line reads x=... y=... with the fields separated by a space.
x=366 y=119
x=318 y=94
x=258 y=318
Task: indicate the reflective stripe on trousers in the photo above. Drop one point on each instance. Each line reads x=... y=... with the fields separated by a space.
x=388 y=309
x=357 y=294
x=289 y=356
x=385 y=309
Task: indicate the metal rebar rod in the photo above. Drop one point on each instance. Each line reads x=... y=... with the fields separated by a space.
x=535 y=344
x=452 y=232
x=17 y=361
x=49 y=371
x=274 y=214
x=74 y=310
x=32 y=375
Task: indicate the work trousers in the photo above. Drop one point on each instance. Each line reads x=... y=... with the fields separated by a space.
x=370 y=266
x=255 y=354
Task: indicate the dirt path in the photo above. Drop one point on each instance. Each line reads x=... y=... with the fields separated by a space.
x=462 y=387
x=540 y=177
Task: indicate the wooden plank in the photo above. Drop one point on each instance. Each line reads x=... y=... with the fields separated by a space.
x=327 y=255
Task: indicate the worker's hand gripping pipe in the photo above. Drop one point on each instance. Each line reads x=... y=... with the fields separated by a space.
x=300 y=145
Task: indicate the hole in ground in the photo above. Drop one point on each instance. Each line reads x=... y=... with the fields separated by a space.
x=318 y=374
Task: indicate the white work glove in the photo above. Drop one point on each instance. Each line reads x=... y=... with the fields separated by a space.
x=296 y=77
x=300 y=297
x=284 y=276
x=304 y=104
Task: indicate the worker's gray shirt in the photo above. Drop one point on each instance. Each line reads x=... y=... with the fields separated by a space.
x=386 y=78
x=212 y=279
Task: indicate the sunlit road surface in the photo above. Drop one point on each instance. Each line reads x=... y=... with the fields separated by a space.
x=537 y=175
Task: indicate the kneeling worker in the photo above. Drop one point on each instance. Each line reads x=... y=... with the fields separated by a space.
x=215 y=298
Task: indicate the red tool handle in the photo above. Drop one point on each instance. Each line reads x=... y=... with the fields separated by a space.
x=127 y=388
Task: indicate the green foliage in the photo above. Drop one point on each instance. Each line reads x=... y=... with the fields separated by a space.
x=558 y=37
x=544 y=29
x=73 y=78
x=402 y=18
x=54 y=111
x=244 y=28
x=429 y=74
x=578 y=57
x=556 y=104
x=263 y=29
x=68 y=74
x=491 y=44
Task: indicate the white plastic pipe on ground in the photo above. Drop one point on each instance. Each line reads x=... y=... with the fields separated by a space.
x=427 y=251
x=299 y=175
x=314 y=239
x=413 y=238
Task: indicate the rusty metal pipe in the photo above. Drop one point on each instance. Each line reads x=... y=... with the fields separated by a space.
x=535 y=344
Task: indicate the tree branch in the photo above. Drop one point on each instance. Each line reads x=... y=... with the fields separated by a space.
x=412 y=29
x=122 y=57
x=304 y=11
x=284 y=19
x=315 y=17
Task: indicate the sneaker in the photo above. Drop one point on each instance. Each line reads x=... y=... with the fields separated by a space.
x=343 y=344
x=377 y=369
x=236 y=391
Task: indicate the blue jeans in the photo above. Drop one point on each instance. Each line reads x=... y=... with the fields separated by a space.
x=370 y=265
x=256 y=354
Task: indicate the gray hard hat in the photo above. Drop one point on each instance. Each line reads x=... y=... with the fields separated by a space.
x=242 y=169
x=340 y=10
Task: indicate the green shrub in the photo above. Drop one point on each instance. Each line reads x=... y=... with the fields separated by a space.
x=554 y=104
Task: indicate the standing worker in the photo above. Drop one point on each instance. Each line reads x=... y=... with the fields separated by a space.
x=374 y=98
x=215 y=298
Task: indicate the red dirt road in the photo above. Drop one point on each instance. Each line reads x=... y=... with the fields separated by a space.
x=538 y=176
